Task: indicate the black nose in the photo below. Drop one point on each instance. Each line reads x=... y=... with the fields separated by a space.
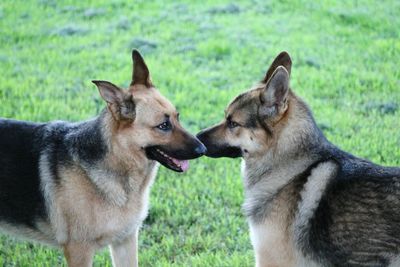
x=200 y=149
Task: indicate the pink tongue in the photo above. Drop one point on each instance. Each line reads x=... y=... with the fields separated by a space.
x=183 y=163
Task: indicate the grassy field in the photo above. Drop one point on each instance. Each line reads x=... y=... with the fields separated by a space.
x=201 y=54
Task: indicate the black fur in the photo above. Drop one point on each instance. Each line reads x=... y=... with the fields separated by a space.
x=81 y=142
x=251 y=122
x=225 y=150
x=21 y=146
x=215 y=149
x=357 y=221
x=21 y=200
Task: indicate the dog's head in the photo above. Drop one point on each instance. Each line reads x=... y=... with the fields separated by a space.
x=145 y=122
x=253 y=119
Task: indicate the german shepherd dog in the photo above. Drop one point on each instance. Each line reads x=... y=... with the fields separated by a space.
x=307 y=202
x=82 y=186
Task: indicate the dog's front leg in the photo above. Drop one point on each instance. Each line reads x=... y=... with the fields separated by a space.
x=79 y=254
x=125 y=253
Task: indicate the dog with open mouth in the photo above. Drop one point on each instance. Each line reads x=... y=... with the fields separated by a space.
x=308 y=203
x=82 y=186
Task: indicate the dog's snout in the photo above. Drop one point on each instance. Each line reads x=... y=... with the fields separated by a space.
x=201 y=149
x=204 y=138
x=201 y=136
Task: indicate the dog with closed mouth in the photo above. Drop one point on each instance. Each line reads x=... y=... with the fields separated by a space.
x=81 y=186
x=308 y=203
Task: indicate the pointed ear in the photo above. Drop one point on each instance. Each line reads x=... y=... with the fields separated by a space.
x=274 y=97
x=141 y=74
x=119 y=103
x=111 y=93
x=283 y=59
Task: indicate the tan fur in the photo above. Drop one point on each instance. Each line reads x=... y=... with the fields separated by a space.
x=125 y=252
x=272 y=240
x=308 y=203
x=87 y=183
x=273 y=126
x=265 y=161
x=78 y=254
x=97 y=209
x=97 y=219
x=256 y=141
x=102 y=209
x=105 y=204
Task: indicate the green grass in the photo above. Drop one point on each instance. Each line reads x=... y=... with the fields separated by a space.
x=201 y=54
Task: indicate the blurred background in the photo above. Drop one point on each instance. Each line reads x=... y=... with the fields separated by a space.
x=201 y=54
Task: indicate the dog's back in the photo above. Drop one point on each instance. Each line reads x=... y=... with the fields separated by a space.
x=21 y=200
x=357 y=220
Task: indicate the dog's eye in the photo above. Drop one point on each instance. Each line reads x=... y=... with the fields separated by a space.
x=232 y=124
x=165 y=126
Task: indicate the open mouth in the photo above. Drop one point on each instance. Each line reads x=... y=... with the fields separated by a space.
x=166 y=160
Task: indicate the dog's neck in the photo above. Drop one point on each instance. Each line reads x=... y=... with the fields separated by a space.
x=115 y=177
x=262 y=182
x=117 y=187
x=298 y=146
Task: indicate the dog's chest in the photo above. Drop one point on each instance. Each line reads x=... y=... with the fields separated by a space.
x=102 y=223
x=109 y=224
x=90 y=216
x=268 y=215
x=271 y=243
